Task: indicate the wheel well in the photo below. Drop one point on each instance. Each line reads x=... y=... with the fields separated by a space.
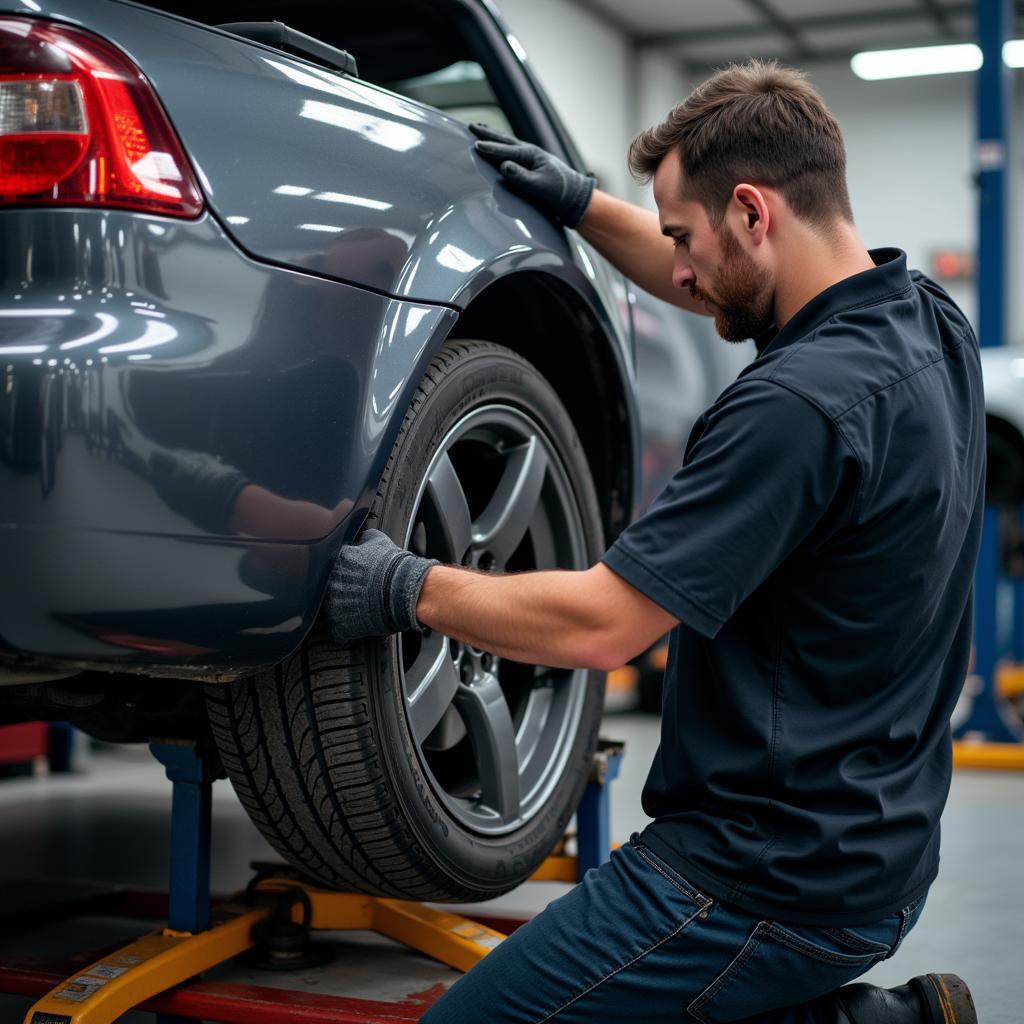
x=1004 y=480
x=546 y=322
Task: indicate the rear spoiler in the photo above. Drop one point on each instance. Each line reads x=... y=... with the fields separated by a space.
x=281 y=37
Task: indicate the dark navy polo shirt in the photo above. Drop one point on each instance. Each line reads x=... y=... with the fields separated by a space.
x=818 y=547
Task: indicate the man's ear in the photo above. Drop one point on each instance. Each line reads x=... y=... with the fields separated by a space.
x=752 y=211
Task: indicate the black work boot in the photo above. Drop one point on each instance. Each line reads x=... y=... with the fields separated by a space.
x=926 y=999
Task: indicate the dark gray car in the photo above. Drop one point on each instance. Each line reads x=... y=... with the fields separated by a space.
x=249 y=297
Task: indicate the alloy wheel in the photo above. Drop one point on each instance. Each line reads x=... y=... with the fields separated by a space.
x=493 y=736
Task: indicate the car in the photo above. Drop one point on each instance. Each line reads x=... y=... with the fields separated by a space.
x=257 y=290
x=682 y=366
x=1002 y=369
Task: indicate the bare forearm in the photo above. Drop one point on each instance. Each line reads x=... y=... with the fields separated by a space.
x=590 y=619
x=630 y=238
x=537 y=618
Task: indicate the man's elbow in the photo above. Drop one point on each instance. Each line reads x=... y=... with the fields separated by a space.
x=603 y=651
x=612 y=660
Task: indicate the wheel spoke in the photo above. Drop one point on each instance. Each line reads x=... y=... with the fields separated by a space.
x=542 y=540
x=430 y=685
x=505 y=520
x=531 y=728
x=496 y=496
x=486 y=714
x=451 y=511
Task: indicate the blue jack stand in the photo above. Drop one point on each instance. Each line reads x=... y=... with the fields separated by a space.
x=188 y=902
x=593 y=818
x=189 y=894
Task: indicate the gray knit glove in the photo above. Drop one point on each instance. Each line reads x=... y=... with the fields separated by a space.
x=536 y=174
x=374 y=588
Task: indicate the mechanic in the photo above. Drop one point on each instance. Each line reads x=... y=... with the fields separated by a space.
x=813 y=558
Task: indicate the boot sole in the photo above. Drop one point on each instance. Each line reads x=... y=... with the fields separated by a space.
x=948 y=998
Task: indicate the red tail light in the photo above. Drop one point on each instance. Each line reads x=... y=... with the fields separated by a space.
x=80 y=125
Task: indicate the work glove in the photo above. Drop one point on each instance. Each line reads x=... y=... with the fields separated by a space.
x=536 y=174
x=373 y=589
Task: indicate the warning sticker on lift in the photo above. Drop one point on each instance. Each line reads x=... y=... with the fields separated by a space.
x=79 y=990
x=125 y=958
x=49 y=1018
x=105 y=971
x=480 y=936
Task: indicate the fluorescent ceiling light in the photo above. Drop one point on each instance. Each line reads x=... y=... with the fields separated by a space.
x=1013 y=53
x=918 y=60
x=930 y=60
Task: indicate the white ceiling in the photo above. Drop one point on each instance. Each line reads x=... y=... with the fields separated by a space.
x=704 y=32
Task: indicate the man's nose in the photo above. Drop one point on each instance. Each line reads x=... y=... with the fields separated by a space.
x=683 y=275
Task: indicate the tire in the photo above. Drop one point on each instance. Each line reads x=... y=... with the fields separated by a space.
x=414 y=767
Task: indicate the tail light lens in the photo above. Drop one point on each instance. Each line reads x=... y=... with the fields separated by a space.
x=80 y=125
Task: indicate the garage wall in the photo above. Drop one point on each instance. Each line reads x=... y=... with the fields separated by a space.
x=603 y=88
x=910 y=142
x=910 y=146
x=661 y=84
x=587 y=69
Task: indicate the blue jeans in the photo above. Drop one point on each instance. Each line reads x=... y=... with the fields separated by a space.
x=636 y=941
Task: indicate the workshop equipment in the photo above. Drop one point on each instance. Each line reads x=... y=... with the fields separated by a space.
x=25 y=743
x=280 y=907
x=991 y=733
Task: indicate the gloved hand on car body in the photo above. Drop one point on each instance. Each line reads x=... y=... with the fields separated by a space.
x=373 y=588
x=536 y=174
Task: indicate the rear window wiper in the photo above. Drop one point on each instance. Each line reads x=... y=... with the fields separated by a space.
x=281 y=37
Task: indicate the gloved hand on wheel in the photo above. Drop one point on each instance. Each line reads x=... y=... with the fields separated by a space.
x=374 y=588
x=536 y=174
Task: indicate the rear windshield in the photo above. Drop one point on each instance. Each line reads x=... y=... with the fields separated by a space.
x=414 y=47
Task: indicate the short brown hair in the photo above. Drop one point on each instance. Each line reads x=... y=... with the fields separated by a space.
x=758 y=122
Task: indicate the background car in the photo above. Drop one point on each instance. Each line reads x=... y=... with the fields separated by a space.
x=1003 y=370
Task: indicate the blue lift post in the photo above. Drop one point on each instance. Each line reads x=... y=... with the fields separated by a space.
x=993 y=97
x=188 y=909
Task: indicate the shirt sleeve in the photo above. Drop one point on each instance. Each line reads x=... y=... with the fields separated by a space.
x=760 y=476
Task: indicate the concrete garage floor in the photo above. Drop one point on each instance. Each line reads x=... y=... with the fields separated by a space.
x=111 y=825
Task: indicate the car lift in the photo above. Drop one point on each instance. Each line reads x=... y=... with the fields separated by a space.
x=278 y=908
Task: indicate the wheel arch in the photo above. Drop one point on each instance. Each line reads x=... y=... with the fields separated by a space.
x=546 y=321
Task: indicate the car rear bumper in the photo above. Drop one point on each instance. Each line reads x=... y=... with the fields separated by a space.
x=74 y=599
x=186 y=436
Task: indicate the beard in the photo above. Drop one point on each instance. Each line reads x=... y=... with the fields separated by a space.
x=744 y=298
